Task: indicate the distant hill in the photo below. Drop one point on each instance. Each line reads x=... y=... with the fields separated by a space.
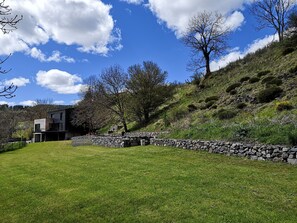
x=252 y=99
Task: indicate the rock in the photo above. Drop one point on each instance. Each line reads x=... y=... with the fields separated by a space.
x=292 y=161
x=294 y=150
x=261 y=159
x=285 y=149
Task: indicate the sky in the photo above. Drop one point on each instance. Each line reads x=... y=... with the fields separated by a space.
x=60 y=43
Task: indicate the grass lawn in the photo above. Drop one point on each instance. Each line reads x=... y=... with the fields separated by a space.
x=54 y=182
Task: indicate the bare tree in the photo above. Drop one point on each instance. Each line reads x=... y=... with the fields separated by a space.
x=273 y=14
x=88 y=113
x=207 y=34
x=7 y=24
x=110 y=92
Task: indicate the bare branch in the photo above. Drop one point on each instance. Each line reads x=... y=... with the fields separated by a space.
x=206 y=34
x=272 y=14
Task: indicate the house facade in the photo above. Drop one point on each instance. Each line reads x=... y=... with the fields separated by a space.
x=56 y=126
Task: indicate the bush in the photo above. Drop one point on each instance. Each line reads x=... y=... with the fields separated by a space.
x=263 y=73
x=254 y=80
x=212 y=98
x=225 y=114
x=244 y=79
x=269 y=94
x=292 y=138
x=293 y=70
x=275 y=81
x=241 y=105
x=208 y=105
x=285 y=105
x=196 y=79
x=232 y=87
x=233 y=92
x=267 y=79
x=288 y=50
x=192 y=108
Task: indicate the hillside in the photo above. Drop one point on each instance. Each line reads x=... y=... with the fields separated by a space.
x=245 y=112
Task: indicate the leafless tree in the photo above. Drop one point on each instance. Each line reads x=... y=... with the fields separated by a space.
x=7 y=24
x=207 y=34
x=273 y=14
x=110 y=92
x=88 y=113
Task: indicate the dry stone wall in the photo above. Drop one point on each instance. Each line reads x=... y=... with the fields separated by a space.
x=251 y=151
x=106 y=141
x=254 y=152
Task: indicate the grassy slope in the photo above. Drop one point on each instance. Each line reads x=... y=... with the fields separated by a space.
x=261 y=122
x=53 y=182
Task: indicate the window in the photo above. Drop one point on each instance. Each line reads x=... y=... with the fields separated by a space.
x=61 y=116
x=37 y=128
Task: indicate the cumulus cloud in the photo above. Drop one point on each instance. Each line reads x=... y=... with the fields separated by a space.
x=236 y=54
x=55 y=57
x=136 y=2
x=60 y=81
x=7 y=103
x=19 y=81
x=176 y=14
x=83 y=23
x=28 y=103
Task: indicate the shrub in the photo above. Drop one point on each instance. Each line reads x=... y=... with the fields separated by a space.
x=275 y=81
x=244 y=79
x=241 y=105
x=208 y=105
x=292 y=138
x=293 y=70
x=263 y=73
x=232 y=87
x=212 y=98
x=254 y=80
x=196 y=79
x=269 y=94
x=285 y=105
x=225 y=114
x=267 y=79
x=192 y=108
x=233 y=92
x=288 y=50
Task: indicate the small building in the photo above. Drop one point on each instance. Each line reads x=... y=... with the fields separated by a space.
x=57 y=126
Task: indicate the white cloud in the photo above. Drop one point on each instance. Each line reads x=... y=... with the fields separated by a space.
x=237 y=54
x=75 y=102
x=55 y=57
x=20 y=82
x=176 y=14
x=136 y=2
x=60 y=81
x=7 y=103
x=28 y=103
x=86 y=24
x=59 y=102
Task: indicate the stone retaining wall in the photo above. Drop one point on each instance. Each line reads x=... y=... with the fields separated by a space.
x=254 y=152
x=106 y=141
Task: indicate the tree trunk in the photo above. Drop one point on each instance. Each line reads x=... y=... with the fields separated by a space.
x=125 y=125
x=146 y=117
x=207 y=64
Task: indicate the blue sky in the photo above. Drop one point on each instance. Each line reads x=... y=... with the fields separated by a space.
x=60 y=43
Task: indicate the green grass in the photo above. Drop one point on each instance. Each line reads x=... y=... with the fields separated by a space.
x=54 y=182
